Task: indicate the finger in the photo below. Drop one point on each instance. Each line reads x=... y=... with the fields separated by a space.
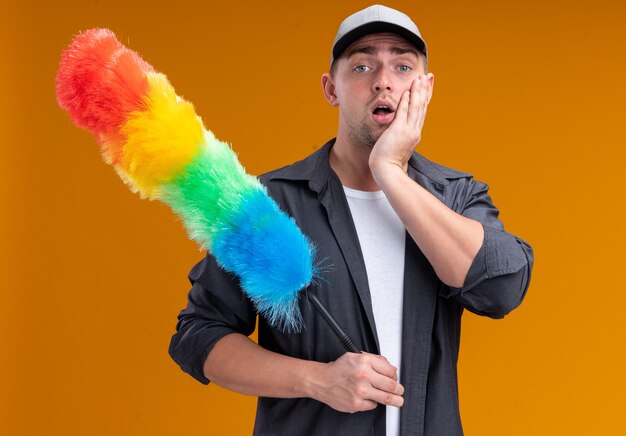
x=421 y=113
x=425 y=92
x=429 y=87
x=385 y=398
x=381 y=365
x=423 y=103
x=403 y=107
x=386 y=384
x=418 y=98
x=414 y=103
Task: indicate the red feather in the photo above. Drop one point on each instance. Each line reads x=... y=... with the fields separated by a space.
x=99 y=82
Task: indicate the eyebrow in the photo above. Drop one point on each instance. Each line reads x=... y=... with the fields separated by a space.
x=370 y=50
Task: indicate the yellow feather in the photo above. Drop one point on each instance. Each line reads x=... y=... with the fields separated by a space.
x=161 y=140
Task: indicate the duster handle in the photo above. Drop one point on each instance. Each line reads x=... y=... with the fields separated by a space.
x=346 y=341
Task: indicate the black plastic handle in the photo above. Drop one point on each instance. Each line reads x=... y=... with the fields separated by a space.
x=346 y=341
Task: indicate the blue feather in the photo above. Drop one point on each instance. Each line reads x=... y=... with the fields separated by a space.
x=271 y=256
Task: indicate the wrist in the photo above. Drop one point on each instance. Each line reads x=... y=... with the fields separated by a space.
x=311 y=380
x=384 y=172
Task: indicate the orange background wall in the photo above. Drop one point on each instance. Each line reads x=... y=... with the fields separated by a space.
x=529 y=97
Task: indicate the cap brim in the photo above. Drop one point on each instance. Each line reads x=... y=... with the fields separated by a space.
x=376 y=27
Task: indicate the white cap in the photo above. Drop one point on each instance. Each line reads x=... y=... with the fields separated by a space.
x=376 y=19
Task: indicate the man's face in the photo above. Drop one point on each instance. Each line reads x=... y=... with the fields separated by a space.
x=369 y=79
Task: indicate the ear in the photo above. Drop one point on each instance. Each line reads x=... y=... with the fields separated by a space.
x=431 y=83
x=328 y=86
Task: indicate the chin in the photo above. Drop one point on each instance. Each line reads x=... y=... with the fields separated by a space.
x=365 y=136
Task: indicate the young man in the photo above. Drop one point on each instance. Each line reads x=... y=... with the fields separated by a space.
x=412 y=244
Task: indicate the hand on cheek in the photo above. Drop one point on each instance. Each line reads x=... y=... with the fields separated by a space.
x=397 y=143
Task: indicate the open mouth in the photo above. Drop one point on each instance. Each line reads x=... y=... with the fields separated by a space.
x=382 y=110
x=383 y=113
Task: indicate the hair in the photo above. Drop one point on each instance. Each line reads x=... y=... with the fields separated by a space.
x=333 y=67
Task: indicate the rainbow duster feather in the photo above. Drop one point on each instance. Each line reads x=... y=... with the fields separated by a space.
x=160 y=148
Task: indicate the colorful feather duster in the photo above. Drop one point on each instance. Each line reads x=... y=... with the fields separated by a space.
x=160 y=148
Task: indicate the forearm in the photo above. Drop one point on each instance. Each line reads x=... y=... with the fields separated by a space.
x=354 y=382
x=449 y=240
x=239 y=364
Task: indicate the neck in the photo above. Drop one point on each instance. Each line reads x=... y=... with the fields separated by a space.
x=351 y=164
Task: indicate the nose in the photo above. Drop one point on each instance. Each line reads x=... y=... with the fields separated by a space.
x=382 y=81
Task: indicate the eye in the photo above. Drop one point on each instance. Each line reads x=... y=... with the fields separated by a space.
x=404 y=68
x=361 y=68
